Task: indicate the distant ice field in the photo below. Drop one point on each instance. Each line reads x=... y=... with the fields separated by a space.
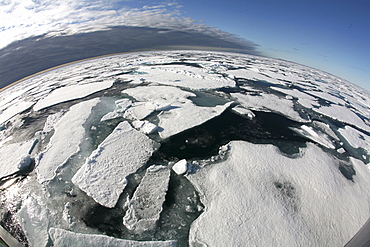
x=162 y=148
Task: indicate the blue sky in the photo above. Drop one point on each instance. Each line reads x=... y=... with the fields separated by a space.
x=331 y=35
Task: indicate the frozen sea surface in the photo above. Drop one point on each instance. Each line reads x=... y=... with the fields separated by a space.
x=294 y=174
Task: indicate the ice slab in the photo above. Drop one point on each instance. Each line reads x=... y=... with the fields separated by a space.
x=103 y=176
x=270 y=103
x=145 y=206
x=316 y=136
x=243 y=112
x=15 y=109
x=34 y=220
x=185 y=117
x=121 y=107
x=11 y=156
x=355 y=138
x=68 y=93
x=260 y=197
x=62 y=238
x=69 y=132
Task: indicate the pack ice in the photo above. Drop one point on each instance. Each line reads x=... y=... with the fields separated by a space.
x=103 y=176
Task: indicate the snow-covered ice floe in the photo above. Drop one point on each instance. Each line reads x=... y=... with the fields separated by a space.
x=272 y=200
x=145 y=206
x=356 y=138
x=68 y=93
x=316 y=136
x=62 y=238
x=12 y=155
x=14 y=109
x=69 y=132
x=103 y=176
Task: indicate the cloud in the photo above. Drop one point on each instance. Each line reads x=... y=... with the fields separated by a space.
x=20 y=19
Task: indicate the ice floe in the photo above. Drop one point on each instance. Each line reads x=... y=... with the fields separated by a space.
x=121 y=107
x=273 y=200
x=269 y=102
x=34 y=220
x=12 y=157
x=69 y=132
x=68 y=93
x=14 y=109
x=145 y=126
x=356 y=138
x=145 y=206
x=103 y=176
x=62 y=238
x=316 y=136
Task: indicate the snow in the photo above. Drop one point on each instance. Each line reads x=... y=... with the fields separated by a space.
x=145 y=206
x=180 y=167
x=11 y=156
x=34 y=220
x=316 y=136
x=73 y=92
x=304 y=99
x=139 y=110
x=69 y=133
x=121 y=107
x=62 y=238
x=273 y=200
x=269 y=103
x=14 y=109
x=103 y=176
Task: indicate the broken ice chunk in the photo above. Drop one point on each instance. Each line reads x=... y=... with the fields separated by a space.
x=139 y=110
x=180 y=167
x=61 y=238
x=146 y=205
x=145 y=126
x=314 y=135
x=243 y=112
x=103 y=176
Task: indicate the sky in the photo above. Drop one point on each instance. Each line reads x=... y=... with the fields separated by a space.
x=330 y=35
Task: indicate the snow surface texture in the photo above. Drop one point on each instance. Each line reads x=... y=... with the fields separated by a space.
x=65 y=141
x=146 y=204
x=62 y=238
x=103 y=176
x=273 y=200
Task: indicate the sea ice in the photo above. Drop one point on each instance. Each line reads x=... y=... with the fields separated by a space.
x=62 y=238
x=185 y=117
x=14 y=109
x=103 y=176
x=273 y=200
x=270 y=103
x=145 y=206
x=34 y=220
x=73 y=92
x=243 y=112
x=180 y=167
x=69 y=132
x=11 y=156
x=316 y=136
x=355 y=138
x=145 y=126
